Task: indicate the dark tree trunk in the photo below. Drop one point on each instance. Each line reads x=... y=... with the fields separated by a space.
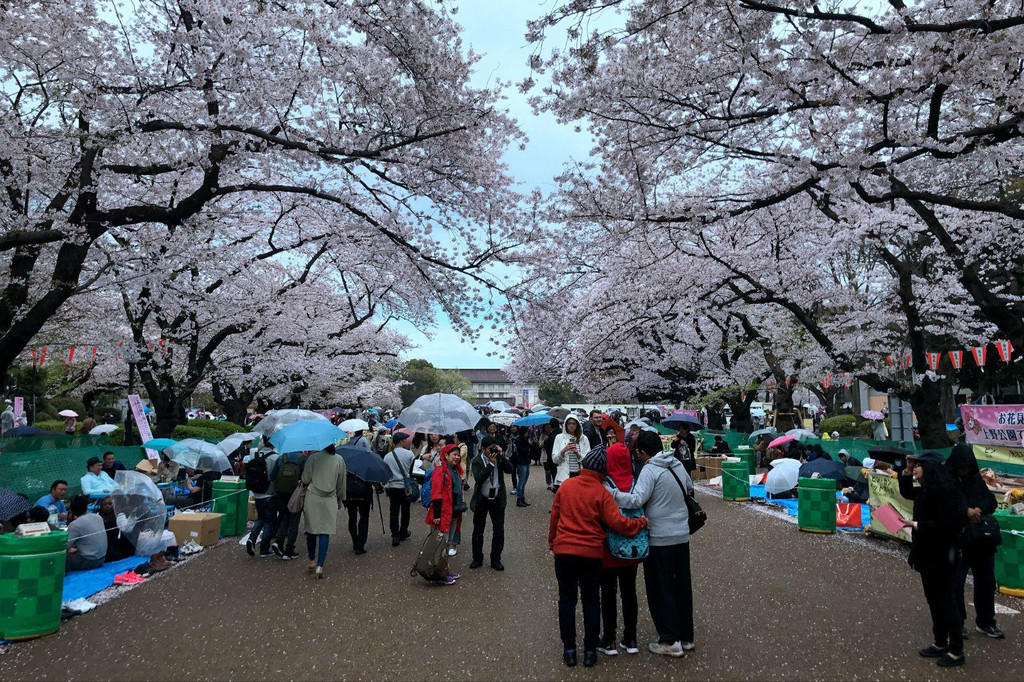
x=741 y=411
x=927 y=403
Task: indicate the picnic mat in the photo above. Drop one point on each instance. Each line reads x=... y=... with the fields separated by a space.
x=83 y=584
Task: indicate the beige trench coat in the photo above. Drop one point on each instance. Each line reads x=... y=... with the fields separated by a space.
x=324 y=476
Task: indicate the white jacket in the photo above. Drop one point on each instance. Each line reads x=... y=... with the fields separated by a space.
x=561 y=440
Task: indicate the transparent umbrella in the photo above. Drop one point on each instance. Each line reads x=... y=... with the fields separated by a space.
x=198 y=454
x=231 y=443
x=140 y=512
x=801 y=434
x=782 y=477
x=441 y=413
x=499 y=405
x=275 y=419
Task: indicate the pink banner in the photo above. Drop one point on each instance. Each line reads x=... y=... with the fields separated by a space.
x=1001 y=425
x=140 y=421
x=19 y=408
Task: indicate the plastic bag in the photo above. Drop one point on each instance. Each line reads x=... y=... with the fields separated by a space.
x=140 y=512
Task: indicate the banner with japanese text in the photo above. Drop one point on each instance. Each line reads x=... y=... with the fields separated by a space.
x=143 y=424
x=999 y=425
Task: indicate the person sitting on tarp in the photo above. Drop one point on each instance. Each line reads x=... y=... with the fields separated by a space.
x=118 y=546
x=720 y=447
x=96 y=480
x=199 y=486
x=87 y=538
x=847 y=459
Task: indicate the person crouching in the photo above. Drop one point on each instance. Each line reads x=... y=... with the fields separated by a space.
x=582 y=509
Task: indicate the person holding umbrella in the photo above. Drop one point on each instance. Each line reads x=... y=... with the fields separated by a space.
x=939 y=514
x=446 y=501
x=325 y=481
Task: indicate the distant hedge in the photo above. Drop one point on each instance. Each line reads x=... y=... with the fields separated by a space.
x=845 y=424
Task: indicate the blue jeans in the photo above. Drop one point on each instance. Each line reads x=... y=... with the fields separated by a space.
x=266 y=519
x=321 y=555
x=524 y=474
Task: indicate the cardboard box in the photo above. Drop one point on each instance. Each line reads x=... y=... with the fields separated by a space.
x=708 y=467
x=146 y=466
x=252 y=509
x=201 y=527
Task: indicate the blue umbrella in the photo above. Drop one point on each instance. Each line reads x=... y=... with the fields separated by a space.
x=159 y=443
x=535 y=419
x=390 y=424
x=308 y=435
x=365 y=464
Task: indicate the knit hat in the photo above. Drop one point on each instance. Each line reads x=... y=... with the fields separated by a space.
x=596 y=460
x=399 y=437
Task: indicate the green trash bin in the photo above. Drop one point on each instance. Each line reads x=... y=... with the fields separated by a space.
x=735 y=481
x=816 y=510
x=748 y=458
x=31 y=584
x=231 y=499
x=1010 y=555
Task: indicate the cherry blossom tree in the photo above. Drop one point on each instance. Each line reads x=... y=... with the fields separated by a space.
x=124 y=122
x=848 y=171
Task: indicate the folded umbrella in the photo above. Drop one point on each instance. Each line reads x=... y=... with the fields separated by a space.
x=306 y=436
x=365 y=464
x=780 y=441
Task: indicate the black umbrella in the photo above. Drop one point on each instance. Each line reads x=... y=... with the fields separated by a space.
x=678 y=420
x=825 y=468
x=895 y=456
x=24 y=431
x=12 y=504
x=365 y=464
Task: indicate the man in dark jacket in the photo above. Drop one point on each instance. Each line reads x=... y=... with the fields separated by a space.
x=489 y=498
x=978 y=557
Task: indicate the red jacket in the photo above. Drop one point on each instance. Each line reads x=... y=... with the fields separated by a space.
x=441 y=489
x=582 y=510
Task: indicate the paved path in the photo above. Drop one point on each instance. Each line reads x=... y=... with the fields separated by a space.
x=771 y=603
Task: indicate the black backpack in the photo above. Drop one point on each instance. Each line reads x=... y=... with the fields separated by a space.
x=257 y=479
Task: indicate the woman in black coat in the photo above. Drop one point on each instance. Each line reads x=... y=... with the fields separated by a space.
x=939 y=513
x=978 y=550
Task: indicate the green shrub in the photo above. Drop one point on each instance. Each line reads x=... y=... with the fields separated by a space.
x=223 y=429
x=188 y=431
x=845 y=424
x=64 y=403
x=56 y=425
x=117 y=437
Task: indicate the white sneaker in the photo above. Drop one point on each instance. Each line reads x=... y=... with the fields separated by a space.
x=609 y=650
x=687 y=646
x=630 y=648
x=452 y=551
x=675 y=650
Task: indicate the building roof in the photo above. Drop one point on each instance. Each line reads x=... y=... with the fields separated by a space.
x=486 y=376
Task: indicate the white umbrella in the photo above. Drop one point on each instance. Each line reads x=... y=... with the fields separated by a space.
x=499 y=405
x=103 y=428
x=441 y=413
x=276 y=419
x=231 y=443
x=67 y=413
x=801 y=434
x=538 y=408
x=783 y=476
x=353 y=425
x=637 y=423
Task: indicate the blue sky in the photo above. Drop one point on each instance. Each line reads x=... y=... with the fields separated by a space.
x=495 y=30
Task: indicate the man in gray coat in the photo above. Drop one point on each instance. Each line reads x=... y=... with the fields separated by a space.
x=659 y=489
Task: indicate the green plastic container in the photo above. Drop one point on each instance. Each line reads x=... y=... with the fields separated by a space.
x=31 y=584
x=749 y=459
x=816 y=512
x=735 y=481
x=1010 y=555
x=232 y=500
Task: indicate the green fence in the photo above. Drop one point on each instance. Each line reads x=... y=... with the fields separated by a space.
x=32 y=472
x=53 y=442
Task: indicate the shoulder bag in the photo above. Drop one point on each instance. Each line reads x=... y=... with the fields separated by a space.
x=696 y=515
x=412 y=489
x=984 y=534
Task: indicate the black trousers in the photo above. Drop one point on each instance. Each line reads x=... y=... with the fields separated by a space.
x=578 y=577
x=484 y=508
x=359 y=521
x=670 y=592
x=938 y=583
x=287 y=524
x=982 y=564
x=623 y=578
x=399 y=513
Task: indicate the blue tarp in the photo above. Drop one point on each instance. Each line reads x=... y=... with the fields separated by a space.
x=83 y=584
x=790 y=505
